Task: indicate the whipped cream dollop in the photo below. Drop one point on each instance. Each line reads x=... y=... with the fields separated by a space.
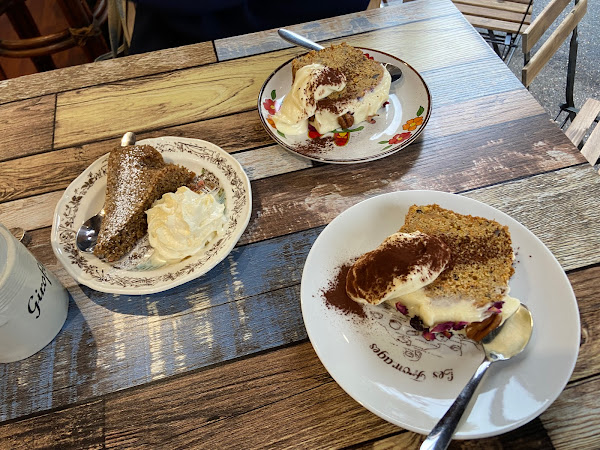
x=403 y=263
x=312 y=83
x=183 y=223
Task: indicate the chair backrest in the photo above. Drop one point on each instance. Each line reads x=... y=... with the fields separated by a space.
x=83 y=30
x=584 y=123
x=533 y=33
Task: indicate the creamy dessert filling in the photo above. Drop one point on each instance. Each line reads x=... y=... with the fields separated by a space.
x=434 y=311
x=311 y=84
x=328 y=112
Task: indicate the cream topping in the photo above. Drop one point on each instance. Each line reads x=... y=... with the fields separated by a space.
x=361 y=109
x=433 y=311
x=184 y=223
x=403 y=263
x=312 y=83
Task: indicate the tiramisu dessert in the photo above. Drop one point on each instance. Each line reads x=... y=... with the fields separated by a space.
x=449 y=272
x=333 y=88
x=137 y=175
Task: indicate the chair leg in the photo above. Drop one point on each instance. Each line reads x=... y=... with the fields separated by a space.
x=494 y=44
x=571 y=67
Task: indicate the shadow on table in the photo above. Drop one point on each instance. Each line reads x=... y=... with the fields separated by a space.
x=55 y=375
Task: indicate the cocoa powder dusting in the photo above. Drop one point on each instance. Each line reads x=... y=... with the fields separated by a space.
x=336 y=297
x=375 y=271
x=315 y=147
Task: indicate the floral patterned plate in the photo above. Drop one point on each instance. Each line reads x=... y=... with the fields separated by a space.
x=392 y=370
x=85 y=196
x=399 y=121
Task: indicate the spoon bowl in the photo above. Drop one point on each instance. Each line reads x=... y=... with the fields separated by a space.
x=501 y=344
x=87 y=235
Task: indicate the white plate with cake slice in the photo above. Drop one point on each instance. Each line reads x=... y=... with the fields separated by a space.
x=397 y=124
x=390 y=369
x=132 y=274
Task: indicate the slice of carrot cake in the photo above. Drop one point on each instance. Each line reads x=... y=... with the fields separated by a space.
x=137 y=175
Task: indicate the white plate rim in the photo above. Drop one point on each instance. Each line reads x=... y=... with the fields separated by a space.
x=428 y=197
x=170 y=276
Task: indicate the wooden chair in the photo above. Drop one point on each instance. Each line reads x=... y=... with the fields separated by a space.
x=585 y=121
x=83 y=31
x=504 y=21
x=535 y=61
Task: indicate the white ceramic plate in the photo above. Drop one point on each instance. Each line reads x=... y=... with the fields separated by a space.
x=392 y=371
x=85 y=196
x=398 y=124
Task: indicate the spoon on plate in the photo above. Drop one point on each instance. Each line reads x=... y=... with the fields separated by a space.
x=501 y=344
x=87 y=235
x=301 y=41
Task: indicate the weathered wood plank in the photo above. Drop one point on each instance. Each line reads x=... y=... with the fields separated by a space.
x=337 y=27
x=537 y=201
x=30 y=213
x=282 y=396
x=573 y=420
x=35 y=212
x=461 y=164
x=48 y=172
x=233 y=86
x=236 y=403
x=76 y=427
x=585 y=285
x=92 y=74
x=425 y=165
x=529 y=436
x=112 y=342
x=163 y=100
x=418 y=166
x=26 y=127
x=418 y=43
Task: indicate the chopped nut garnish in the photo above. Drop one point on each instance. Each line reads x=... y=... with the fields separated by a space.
x=346 y=121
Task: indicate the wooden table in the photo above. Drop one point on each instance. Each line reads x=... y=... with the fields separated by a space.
x=224 y=361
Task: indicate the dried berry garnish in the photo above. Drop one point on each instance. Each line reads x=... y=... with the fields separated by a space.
x=417 y=323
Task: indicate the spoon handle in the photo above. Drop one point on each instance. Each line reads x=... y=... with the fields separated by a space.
x=441 y=435
x=296 y=39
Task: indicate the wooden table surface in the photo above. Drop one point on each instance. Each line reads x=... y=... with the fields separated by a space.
x=224 y=361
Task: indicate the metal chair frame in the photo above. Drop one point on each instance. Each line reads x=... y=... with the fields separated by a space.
x=508 y=41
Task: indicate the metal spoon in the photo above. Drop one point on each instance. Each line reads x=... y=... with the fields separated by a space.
x=301 y=41
x=21 y=235
x=87 y=235
x=501 y=344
